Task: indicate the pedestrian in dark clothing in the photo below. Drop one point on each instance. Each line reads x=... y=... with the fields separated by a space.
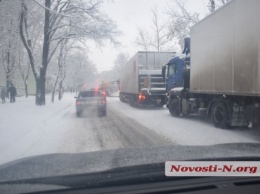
x=12 y=91
x=3 y=95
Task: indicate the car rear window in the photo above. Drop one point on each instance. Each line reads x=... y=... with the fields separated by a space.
x=90 y=94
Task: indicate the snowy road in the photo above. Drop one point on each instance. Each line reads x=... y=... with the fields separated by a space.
x=190 y=130
x=27 y=130
x=91 y=133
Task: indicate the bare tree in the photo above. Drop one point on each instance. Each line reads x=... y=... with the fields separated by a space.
x=224 y=1
x=161 y=37
x=215 y=4
x=24 y=67
x=9 y=38
x=61 y=67
x=87 y=71
x=120 y=61
x=64 y=19
x=35 y=27
x=9 y=66
x=143 y=39
x=181 y=20
x=65 y=47
x=212 y=5
x=158 y=38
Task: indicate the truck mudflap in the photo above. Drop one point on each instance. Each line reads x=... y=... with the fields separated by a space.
x=176 y=92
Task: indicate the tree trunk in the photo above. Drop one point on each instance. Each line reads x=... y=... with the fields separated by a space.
x=212 y=5
x=7 y=85
x=60 y=90
x=26 y=90
x=41 y=77
x=8 y=81
x=54 y=88
x=40 y=92
x=26 y=82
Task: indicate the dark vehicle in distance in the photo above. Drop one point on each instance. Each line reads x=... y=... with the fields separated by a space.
x=91 y=100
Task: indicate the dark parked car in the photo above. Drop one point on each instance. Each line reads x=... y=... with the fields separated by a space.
x=91 y=100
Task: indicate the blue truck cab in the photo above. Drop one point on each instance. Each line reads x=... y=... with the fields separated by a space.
x=176 y=71
x=173 y=73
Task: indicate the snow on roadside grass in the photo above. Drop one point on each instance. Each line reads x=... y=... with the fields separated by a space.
x=22 y=122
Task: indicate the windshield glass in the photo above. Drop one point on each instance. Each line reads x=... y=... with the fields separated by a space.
x=172 y=69
x=55 y=56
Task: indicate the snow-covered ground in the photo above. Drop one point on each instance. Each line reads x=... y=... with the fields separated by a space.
x=28 y=130
x=22 y=125
x=184 y=131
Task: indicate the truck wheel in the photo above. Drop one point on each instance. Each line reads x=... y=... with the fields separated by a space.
x=103 y=113
x=174 y=107
x=120 y=98
x=131 y=100
x=219 y=115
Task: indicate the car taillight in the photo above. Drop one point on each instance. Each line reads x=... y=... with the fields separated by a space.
x=78 y=103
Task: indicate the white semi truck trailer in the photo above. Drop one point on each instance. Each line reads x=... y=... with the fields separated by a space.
x=222 y=77
x=141 y=80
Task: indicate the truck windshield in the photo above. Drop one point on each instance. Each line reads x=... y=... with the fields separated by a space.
x=172 y=69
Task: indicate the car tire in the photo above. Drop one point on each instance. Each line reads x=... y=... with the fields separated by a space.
x=102 y=113
x=78 y=114
x=121 y=98
x=132 y=100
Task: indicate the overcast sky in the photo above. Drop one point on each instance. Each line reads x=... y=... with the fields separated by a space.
x=129 y=15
